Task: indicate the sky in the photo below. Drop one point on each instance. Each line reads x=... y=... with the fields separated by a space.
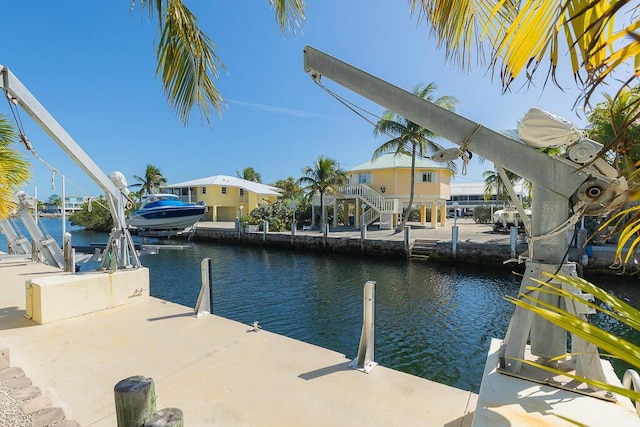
x=92 y=66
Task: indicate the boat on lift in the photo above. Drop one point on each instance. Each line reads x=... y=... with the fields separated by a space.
x=165 y=215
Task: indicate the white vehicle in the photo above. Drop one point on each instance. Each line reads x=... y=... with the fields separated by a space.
x=508 y=217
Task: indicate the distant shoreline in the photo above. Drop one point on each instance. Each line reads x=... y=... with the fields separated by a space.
x=49 y=215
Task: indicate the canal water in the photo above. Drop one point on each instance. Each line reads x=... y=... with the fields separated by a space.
x=432 y=321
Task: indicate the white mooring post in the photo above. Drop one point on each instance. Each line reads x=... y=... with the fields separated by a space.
x=205 y=299
x=364 y=361
x=513 y=238
x=68 y=253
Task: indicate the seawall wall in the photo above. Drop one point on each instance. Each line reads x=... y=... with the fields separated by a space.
x=467 y=252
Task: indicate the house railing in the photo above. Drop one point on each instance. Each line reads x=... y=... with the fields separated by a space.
x=370 y=196
x=370 y=215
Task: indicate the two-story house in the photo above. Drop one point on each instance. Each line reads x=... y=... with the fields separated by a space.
x=383 y=186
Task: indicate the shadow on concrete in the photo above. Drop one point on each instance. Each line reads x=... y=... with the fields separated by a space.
x=13 y=318
x=171 y=316
x=465 y=421
x=326 y=371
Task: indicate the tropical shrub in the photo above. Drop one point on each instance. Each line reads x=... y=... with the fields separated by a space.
x=94 y=215
x=482 y=214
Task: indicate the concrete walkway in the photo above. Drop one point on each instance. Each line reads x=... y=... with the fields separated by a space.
x=219 y=372
x=468 y=231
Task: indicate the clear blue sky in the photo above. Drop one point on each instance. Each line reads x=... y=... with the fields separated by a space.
x=92 y=64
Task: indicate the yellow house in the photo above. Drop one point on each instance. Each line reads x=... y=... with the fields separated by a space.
x=383 y=187
x=225 y=196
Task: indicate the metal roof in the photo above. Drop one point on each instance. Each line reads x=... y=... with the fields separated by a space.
x=229 y=181
x=475 y=188
x=391 y=160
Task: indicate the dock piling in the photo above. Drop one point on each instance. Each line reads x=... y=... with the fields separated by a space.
x=204 y=305
x=366 y=350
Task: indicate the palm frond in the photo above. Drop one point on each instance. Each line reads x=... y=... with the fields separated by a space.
x=631 y=394
x=614 y=345
x=14 y=169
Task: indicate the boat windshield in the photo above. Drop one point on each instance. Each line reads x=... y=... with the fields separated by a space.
x=153 y=198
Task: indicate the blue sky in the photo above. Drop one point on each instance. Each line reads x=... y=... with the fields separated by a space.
x=92 y=65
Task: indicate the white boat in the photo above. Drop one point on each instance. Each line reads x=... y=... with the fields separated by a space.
x=165 y=215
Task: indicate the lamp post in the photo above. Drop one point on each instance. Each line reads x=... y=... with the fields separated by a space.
x=455 y=213
x=294 y=207
x=293 y=220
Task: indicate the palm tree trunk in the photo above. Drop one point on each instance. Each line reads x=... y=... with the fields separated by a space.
x=405 y=217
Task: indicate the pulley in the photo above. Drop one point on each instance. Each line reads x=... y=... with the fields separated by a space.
x=446 y=155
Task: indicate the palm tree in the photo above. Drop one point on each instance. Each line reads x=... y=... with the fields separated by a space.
x=151 y=182
x=187 y=60
x=324 y=176
x=291 y=188
x=493 y=183
x=14 y=170
x=57 y=202
x=249 y=174
x=615 y=123
x=522 y=35
x=411 y=139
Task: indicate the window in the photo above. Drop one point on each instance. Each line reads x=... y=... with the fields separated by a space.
x=364 y=178
x=426 y=177
x=204 y=190
x=242 y=192
x=224 y=190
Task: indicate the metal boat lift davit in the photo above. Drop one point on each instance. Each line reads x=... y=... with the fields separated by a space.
x=120 y=252
x=576 y=181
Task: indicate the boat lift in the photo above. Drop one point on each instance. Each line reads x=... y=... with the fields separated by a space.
x=576 y=181
x=121 y=252
x=18 y=244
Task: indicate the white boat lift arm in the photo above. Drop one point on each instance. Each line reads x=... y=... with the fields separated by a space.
x=557 y=174
x=121 y=248
x=574 y=178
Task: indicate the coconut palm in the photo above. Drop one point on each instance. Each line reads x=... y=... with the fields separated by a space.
x=522 y=35
x=324 y=176
x=151 y=182
x=250 y=174
x=412 y=139
x=615 y=123
x=187 y=60
x=291 y=189
x=14 y=170
x=493 y=184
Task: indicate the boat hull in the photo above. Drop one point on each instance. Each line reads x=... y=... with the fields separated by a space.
x=163 y=219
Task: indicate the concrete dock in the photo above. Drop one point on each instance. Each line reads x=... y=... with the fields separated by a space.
x=219 y=372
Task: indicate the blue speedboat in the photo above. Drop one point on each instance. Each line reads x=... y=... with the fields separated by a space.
x=165 y=215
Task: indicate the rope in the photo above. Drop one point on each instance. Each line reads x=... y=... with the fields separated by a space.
x=465 y=154
x=572 y=220
x=25 y=140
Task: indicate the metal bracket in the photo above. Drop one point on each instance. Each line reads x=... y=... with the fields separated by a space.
x=364 y=361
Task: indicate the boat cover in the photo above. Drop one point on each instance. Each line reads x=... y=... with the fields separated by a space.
x=539 y=129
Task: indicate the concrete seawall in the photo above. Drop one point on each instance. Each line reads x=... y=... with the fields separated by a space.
x=477 y=244
x=342 y=244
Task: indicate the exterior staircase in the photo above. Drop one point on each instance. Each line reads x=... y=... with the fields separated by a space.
x=378 y=207
x=423 y=248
